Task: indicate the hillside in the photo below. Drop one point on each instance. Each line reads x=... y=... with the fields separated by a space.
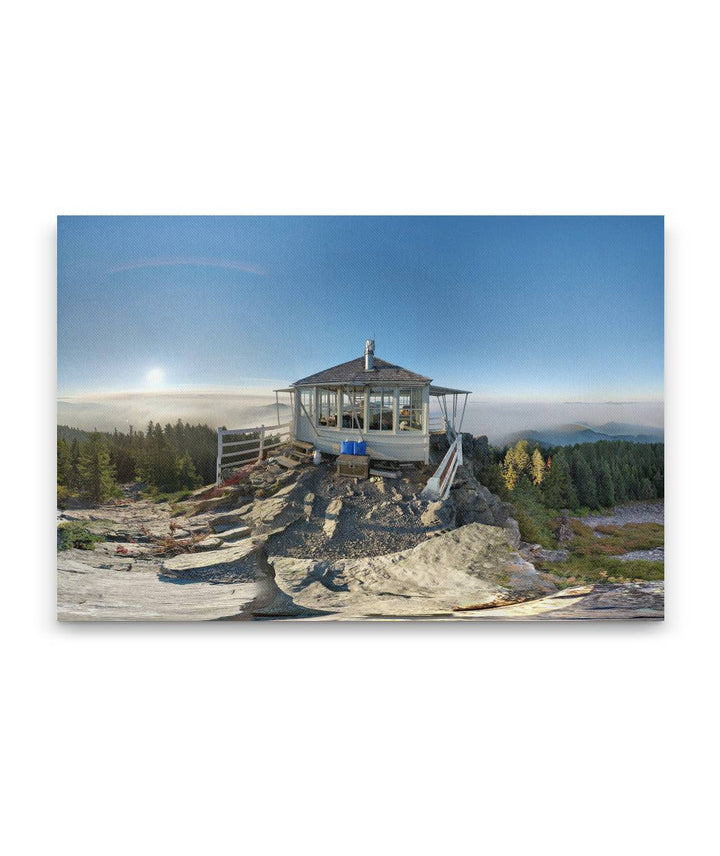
x=569 y=435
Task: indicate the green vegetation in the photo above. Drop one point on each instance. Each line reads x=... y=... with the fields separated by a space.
x=616 y=540
x=77 y=535
x=579 y=569
x=95 y=473
x=593 y=558
x=543 y=482
x=169 y=460
x=587 y=475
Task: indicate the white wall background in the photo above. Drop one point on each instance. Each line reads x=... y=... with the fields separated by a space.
x=277 y=738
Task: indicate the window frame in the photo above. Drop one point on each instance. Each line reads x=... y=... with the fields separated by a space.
x=356 y=399
x=388 y=397
x=417 y=408
x=329 y=395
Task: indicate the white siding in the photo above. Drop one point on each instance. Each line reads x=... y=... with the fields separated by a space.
x=383 y=445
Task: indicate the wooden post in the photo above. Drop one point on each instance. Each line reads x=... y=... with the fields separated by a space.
x=218 y=474
x=262 y=442
x=462 y=415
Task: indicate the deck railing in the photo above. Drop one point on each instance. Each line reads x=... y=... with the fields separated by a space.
x=439 y=484
x=252 y=444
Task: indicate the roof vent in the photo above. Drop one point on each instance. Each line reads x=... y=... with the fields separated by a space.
x=369 y=355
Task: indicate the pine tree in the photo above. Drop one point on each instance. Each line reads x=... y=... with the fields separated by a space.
x=187 y=476
x=95 y=472
x=74 y=477
x=606 y=488
x=647 y=490
x=64 y=463
x=585 y=484
x=167 y=477
x=557 y=486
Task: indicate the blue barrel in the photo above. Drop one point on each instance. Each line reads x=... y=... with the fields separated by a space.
x=347 y=447
x=359 y=447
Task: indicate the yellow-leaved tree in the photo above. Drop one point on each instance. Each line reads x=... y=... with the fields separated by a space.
x=517 y=462
x=537 y=467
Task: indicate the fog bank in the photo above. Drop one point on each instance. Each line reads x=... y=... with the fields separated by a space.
x=496 y=418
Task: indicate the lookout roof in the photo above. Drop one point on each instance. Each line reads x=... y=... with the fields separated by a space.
x=353 y=373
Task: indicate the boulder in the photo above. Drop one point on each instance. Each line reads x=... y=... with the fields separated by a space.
x=501 y=512
x=486 y=495
x=332 y=517
x=308 y=505
x=512 y=531
x=541 y=554
x=564 y=532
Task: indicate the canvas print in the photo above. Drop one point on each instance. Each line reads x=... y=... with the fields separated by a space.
x=360 y=418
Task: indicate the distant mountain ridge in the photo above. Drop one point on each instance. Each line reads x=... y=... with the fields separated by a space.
x=569 y=435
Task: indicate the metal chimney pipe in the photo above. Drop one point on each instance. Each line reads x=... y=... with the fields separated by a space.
x=369 y=354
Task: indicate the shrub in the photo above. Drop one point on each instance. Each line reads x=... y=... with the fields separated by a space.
x=529 y=530
x=616 y=539
x=602 y=568
x=75 y=534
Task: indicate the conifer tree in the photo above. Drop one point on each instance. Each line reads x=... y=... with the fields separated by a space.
x=510 y=473
x=557 y=486
x=537 y=467
x=647 y=490
x=521 y=456
x=64 y=463
x=74 y=477
x=585 y=484
x=95 y=472
x=187 y=476
x=517 y=463
x=606 y=488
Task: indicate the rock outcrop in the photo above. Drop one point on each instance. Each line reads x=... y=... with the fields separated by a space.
x=307 y=544
x=474 y=503
x=469 y=564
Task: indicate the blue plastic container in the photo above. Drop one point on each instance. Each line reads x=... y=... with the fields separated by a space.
x=347 y=447
x=359 y=447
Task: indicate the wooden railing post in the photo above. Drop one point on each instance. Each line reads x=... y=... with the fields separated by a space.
x=218 y=475
x=262 y=442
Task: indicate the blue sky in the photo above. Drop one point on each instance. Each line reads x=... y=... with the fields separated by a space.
x=518 y=307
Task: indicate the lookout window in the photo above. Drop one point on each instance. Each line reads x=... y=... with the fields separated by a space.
x=410 y=409
x=380 y=409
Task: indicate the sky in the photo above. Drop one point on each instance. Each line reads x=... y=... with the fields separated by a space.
x=515 y=308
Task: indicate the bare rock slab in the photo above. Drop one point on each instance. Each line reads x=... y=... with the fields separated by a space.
x=229 y=561
x=124 y=592
x=235 y=534
x=472 y=564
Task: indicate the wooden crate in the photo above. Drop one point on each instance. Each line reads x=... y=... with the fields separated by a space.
x=353 y=465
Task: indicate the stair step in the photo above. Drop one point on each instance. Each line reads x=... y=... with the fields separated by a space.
x=285 y=461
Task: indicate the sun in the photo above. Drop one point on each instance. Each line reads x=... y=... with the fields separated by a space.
x=155 y=377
